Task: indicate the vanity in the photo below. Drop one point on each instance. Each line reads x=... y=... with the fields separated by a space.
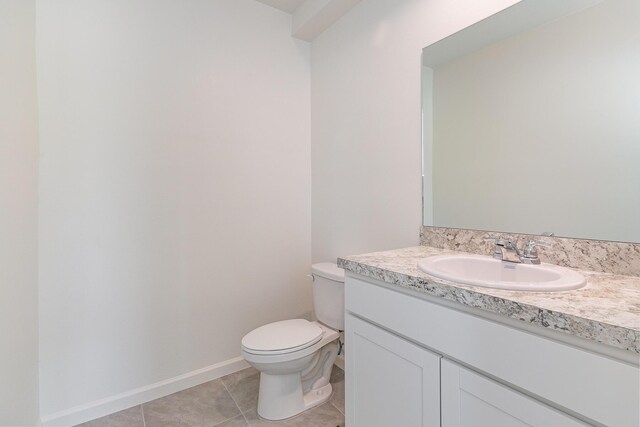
x=423 y=351
x=529 y=128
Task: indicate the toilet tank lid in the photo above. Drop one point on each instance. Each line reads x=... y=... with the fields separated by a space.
x=328 y=270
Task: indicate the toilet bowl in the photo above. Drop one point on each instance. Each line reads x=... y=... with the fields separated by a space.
x=295 y=357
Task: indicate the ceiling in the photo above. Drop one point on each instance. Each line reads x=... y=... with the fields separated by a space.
x=288 y=6
x=309 y=18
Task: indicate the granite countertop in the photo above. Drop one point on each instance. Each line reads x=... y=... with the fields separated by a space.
x=606 y=310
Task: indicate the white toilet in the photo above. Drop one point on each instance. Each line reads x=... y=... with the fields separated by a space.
x=295 y=357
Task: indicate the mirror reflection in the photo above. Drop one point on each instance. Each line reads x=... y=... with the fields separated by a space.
x=531 y=122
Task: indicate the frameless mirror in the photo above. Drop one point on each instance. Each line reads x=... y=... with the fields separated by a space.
x=531 y=122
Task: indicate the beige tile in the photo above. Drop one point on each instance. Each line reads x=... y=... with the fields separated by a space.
x=337 y=384
x=238 y=421
x=205 y=405
x=237 y=376
x=243 y=386
x=254 y=420
x=322 y=416
x=131 y=417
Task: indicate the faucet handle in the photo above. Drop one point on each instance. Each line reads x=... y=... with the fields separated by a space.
x=542 y=243
x=530 y=248
x=506 y=243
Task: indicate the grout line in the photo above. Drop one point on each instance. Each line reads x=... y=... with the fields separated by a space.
x=332 y=404
x=224 y=421
x=234 y=400
x=245 y=419
x=144 y=422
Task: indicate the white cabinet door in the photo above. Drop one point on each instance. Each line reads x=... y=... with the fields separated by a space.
x=390 y=382
x=473 y=400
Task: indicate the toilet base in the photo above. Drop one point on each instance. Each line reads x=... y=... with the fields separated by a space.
x=288 y=401
x=317 y=397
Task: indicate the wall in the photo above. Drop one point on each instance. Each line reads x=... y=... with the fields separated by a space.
x=174 y=188
x=18 y=215
x=365 y=145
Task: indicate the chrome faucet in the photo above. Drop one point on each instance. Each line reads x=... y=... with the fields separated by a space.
x=507 y=250
x=530 y=251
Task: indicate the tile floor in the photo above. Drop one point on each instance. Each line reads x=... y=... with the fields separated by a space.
x=226 y=402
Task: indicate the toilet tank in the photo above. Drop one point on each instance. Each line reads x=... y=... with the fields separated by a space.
x=328 y=294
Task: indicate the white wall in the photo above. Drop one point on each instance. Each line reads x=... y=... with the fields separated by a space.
x=174 y=187
x=366 y=144
x=18 y=215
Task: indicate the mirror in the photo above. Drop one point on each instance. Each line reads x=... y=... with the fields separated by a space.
x=531 y=122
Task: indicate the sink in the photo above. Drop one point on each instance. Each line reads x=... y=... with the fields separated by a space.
x=478 y=270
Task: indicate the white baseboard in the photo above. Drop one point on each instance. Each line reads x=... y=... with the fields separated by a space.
x=109 y=405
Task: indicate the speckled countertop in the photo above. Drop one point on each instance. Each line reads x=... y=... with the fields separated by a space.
x=606 y=310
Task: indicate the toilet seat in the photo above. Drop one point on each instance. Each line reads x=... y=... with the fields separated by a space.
x=287 y=336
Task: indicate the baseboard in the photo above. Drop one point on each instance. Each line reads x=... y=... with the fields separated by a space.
x=109 y=405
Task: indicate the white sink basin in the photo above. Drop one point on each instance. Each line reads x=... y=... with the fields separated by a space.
x=489 y=272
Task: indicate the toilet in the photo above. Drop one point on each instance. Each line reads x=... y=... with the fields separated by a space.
x=295 y=357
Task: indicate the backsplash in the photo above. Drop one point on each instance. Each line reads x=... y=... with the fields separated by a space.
x=595 y=255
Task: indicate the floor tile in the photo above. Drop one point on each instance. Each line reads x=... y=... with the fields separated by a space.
x=131 y=417
x=215 y=404
x=238 y=421
x=325 y=415
x=337 y=384
x=243 y=386
x=205 y=405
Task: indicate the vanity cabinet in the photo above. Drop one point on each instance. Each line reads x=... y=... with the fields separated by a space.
x=419 y=360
